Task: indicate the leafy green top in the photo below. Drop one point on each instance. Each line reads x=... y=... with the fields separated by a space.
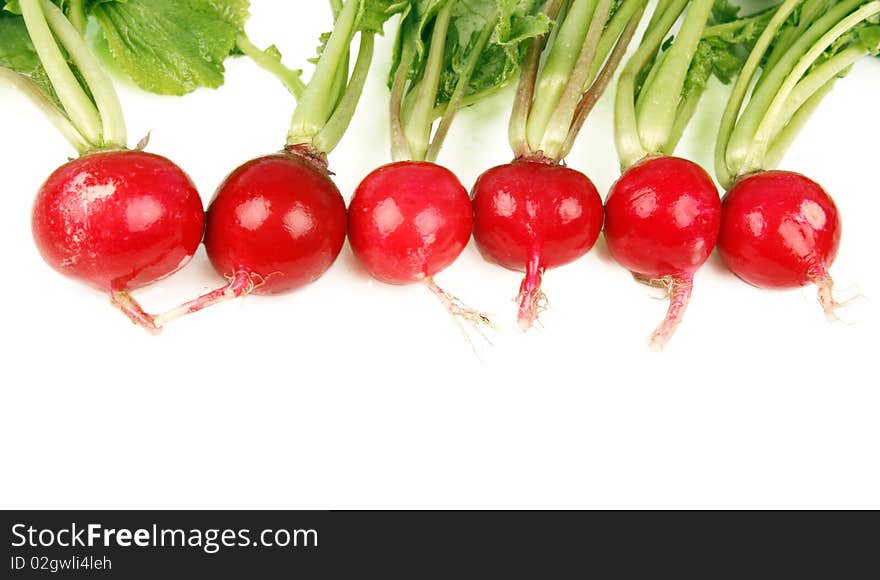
x=450 y=53
x=165 y=46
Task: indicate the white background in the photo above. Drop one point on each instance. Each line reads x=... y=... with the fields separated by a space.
x=354 y=394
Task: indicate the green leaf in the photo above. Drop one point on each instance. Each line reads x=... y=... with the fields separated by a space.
x=723 y=11
x=725 y=46
x=515 y=22
x=17 y=53
x=375 y=13
x=171 y=46
x=512 y=24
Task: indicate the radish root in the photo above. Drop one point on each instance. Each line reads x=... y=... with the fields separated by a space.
x=124 y=301
x=461 y=312
x=531 y=299
x=678 y=292
x=240 y=284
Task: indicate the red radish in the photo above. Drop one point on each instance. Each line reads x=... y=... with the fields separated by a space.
x=279 y=218
x=118 y=220
x=535 y=213
x=114 y=218
x=661 y=222
x=275 y=224
x=278 y=222
x=409 y=220
x=780 y=229
x=531 y=215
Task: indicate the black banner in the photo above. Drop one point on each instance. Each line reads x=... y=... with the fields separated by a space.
x=407 y=544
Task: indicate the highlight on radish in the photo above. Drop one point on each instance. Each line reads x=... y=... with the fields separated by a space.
x=663 y=214
x=780 y=229
x=535 y=214
x=412 y=218
x=114 y=218
x=278 y=222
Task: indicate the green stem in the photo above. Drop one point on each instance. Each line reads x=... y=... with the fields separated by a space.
x=788 y=133
x=739 y=147
x=626 y=126
x=597 y=89
x=613 y=30
x=77 y=105
x=729 y=28
x=560 y=123
x=332 y=133
x=340 y=82
x=723 y=169
x=817 y=79
x=686 y=110
x=782 y=44
x=56 y=116
x=77 y=14
x=657 y=116
x=399 y=145
x=525 y=91
x=419 y=123
x=290 y=78
x=558 y=68
x=317 y=103
x=454 y=104
x=771 y=120
x=659 y=10
x=105 y=98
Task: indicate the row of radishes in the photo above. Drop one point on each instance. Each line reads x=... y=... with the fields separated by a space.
x=120 y=219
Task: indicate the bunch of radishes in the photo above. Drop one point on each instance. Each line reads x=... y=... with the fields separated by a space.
x=119 y=219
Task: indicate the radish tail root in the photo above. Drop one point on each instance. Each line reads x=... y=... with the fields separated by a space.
x=461 y=312
x=826 y=297
x=240 y=284
x=532 y=301
x=130 y=307
x=679 y=290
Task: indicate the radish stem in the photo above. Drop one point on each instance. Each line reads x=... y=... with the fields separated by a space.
x=769 y=124
x=559 y=125
x=723 y=168
x=657 y=116
x=522 y=104
x=458 y=94
x=417 y=128
x=290 y=78
x=558 y=68
x=77 y=104
x=316 y=105
x=330 y=136
x=105 y=97
x=55 y=115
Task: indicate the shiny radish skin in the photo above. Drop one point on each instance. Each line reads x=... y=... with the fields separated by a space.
x=279 y=221
x=781 y=229
x=118 y=220
x=409 y=220
x=662 y=219
x=532 y=215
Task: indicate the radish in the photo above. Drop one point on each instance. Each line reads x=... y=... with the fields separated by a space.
x=663 y=214
x=278 y=222
x=534 y=213
x=113 y=218
x=780 y=229
x=411 y=219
